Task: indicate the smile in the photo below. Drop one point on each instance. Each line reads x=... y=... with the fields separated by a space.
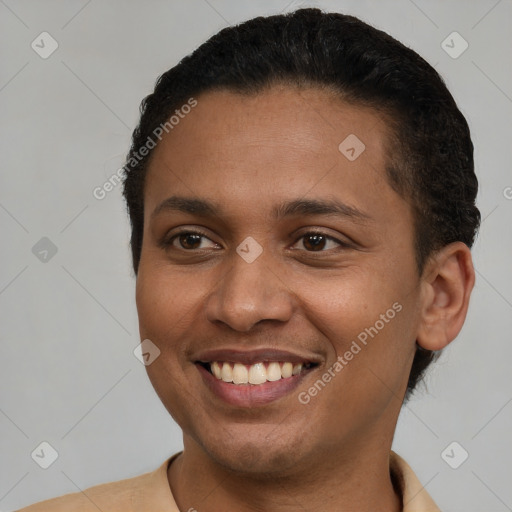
x=255 y=385
x=255 y=374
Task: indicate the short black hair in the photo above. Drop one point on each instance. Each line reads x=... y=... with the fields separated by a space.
x=429 y=151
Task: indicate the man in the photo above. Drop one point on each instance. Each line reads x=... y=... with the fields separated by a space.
x=302 y=199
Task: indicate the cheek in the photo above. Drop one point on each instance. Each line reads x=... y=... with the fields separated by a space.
x=165 y=301
x=342 y=305
x=368 y=317
x=164 y=306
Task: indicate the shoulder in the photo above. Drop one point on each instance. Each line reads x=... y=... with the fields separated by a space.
x=414 y=496
x=109 y=497
x=119 y=496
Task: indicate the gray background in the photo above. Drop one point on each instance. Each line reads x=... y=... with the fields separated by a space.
x=69 y=324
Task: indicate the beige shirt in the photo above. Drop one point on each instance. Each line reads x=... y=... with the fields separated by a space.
x=150 y=492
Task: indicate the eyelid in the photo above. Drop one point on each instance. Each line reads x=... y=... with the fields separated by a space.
x=169 y=239
x=326 y=235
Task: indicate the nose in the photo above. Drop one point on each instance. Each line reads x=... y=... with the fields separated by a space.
x=250 y=293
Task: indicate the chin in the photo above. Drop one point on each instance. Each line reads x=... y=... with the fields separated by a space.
x=262 y=458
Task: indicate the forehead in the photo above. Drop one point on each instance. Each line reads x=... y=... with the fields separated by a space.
x=313 y=121
x=251 y=151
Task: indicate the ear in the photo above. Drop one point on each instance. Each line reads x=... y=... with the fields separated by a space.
x=447 y=284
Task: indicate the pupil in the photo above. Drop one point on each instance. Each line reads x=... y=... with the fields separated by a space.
x=187 y=237
x=319 y=241
x=313 y=241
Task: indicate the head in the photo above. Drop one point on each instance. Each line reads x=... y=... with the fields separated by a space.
x=257 y=116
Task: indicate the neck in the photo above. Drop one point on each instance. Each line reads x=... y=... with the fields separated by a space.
x=353 y=479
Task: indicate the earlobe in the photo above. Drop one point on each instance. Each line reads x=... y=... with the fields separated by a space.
x=447 y=286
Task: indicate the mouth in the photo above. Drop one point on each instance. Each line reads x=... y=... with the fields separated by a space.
x=249 y=379
x=256 y=374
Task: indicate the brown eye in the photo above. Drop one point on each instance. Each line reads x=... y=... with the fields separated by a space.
x=314 y=242
x=317 y=242
x=189 y=240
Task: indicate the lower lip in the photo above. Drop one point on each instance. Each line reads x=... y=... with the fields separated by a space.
x=250 y=395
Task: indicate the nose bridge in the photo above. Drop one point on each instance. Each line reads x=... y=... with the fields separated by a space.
x=250 y=291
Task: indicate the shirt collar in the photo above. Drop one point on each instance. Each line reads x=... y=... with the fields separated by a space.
x=414 y=496
x=156 y=492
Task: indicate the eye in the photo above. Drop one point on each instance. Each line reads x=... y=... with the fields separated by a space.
x=187 y=240
x=314 y=241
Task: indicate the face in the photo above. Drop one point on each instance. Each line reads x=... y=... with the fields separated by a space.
x=275 y=257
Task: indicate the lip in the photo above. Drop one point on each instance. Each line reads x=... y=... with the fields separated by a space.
x=249 y=395
x=250 y=357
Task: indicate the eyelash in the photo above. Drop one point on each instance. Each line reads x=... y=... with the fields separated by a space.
x=168 y=242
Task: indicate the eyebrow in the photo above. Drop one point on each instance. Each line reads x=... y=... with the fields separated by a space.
x=207 y=208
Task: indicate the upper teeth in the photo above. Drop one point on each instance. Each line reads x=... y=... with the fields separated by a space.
x=254 y=374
